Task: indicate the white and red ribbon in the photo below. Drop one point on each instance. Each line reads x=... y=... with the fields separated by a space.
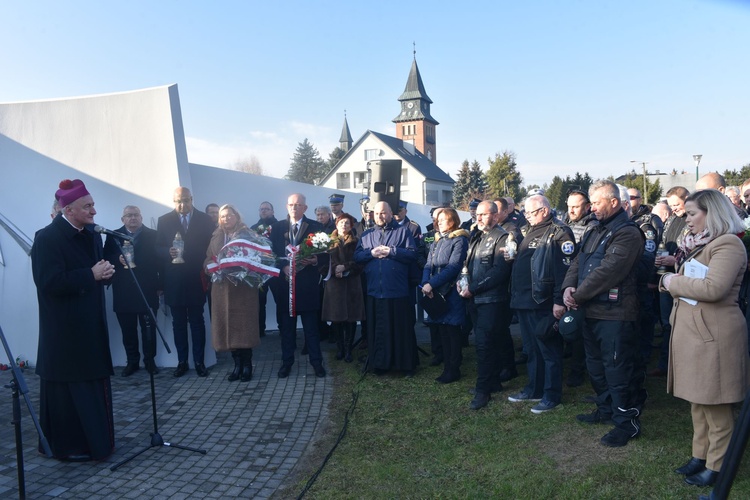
x=291 y=252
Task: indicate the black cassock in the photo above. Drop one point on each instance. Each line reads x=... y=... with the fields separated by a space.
x=73 y=361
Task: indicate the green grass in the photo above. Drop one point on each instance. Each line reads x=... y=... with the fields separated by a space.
x=415 y=438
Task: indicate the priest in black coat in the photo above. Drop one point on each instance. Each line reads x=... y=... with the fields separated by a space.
x=74 y=363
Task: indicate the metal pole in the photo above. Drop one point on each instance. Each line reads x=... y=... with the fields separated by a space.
x=644 y=199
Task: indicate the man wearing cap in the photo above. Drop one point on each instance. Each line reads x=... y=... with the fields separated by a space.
x=473 y=204
x=126 y=298
x=415 y=269
x=184 y=292
x=74 y=363
x=544 y=257
x=602 y=281
x=336 y=201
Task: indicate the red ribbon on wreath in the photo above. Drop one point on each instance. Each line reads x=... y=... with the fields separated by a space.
x=291 y=252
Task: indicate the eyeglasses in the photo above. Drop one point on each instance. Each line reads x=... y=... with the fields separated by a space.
x=131 y=216
x=533 y=212
x=635 y=197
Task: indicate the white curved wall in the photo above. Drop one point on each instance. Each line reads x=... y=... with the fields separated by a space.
x=129 y=149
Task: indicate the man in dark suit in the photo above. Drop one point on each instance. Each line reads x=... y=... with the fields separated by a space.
x=127 y=301
x=293 y=230
x=184 y=291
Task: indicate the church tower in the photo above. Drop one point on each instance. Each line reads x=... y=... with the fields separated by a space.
x=414 y=123
x=345 y=141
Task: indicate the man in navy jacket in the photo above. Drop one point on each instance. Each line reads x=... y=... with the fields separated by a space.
x=387 y=251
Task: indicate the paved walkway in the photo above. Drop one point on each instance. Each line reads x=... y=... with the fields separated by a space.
x=254 y=434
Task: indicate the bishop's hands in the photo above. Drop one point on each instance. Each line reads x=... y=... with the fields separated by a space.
x=103 y=270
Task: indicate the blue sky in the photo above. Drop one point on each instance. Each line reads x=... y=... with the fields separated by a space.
x=567 y=85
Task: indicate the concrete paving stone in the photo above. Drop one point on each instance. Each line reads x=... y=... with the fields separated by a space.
x=254 y=428
x=56 y=491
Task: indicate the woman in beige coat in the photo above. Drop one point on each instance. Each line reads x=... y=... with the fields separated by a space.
x=708 y=356
x=234 y=308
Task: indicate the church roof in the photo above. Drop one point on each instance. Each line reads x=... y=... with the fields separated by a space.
x=346 y=136
x=416 y=159
x=414 y=87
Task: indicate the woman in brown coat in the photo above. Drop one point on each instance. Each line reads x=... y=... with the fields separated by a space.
x=708 y=357
x=343 y=303
x=234 y=308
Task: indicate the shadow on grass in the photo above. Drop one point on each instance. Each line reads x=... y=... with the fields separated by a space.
x=415 y=438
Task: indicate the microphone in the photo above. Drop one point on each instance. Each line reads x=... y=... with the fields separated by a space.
x=100 y=229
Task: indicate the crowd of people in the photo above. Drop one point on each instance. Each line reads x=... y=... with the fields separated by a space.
x=587 y=289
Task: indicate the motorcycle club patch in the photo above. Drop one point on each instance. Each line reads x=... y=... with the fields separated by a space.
x=650 y=246
x=568 y=247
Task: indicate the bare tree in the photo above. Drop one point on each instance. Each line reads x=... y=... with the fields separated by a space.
x=249 y=165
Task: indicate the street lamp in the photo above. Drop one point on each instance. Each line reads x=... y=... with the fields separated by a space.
x=697 y=160
x=645 y=189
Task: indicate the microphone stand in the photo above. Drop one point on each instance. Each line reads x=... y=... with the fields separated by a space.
x=156 y=439
x=18 y=385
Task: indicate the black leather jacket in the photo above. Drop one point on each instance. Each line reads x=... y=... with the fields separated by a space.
x=488 y=270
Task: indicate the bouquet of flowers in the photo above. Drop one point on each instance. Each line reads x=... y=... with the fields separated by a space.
x=246 y=259
x=264 y=230
x=314 y=244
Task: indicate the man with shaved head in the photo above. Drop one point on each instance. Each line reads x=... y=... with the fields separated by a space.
x=387 y=251
x=714 y=180
x=183 y=285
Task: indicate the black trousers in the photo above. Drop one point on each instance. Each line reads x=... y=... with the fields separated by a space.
x=486 y=320
x=129 y=326
x=611 y=359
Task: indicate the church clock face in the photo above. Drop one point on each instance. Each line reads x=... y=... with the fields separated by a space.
x=410 y=105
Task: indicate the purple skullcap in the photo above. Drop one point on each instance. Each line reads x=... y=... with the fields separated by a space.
x=70 y=191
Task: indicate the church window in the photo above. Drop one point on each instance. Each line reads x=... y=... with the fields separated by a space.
x=342 y=180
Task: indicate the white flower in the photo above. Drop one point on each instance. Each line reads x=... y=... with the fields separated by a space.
x=321 y=241
x=746 y=223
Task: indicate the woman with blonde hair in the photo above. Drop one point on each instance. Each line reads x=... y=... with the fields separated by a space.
x=708 y=351
x=234 y=307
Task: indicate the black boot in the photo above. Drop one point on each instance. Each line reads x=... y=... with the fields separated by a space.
x=235 y=375
x=247 y=365
x=338 y=332
x=349 y=328
x=452 y=339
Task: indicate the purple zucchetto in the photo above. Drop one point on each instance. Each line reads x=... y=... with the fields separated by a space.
x=70 y=191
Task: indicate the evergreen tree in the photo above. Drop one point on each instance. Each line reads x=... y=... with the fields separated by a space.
x=461 y=187
x=335 y=157
x=307 y=165
x=634 y=180
x=556 y=194
x=477 y=184
x=503 y=177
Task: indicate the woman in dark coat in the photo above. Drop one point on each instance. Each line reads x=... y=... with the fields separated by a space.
x=343 y=303
x=444 y=264
x=234 y=308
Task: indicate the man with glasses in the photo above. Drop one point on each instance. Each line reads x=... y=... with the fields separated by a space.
x=293 y=230
x=602 y=282
x=263 y=226
x=184 y=292
x=544 y=257
x=126 y=299
x=489 y=304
